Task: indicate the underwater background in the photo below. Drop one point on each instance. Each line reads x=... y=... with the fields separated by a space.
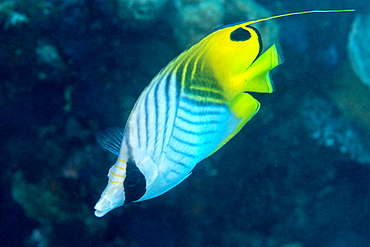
x=297 y=174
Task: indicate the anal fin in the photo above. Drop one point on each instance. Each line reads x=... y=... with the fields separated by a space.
x=242 y=108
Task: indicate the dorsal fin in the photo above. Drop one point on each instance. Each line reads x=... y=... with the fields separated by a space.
x=249 y=22
x=110 y=139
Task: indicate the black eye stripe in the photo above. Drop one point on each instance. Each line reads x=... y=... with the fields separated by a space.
x=133 y=177
x=259 y=38
x=240 y=34
x=134 y=184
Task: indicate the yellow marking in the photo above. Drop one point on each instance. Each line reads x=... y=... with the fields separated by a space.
x=175 y=69
x=114 y=182
x=183 y=75
x=204 y=99
x=201 y=53
x=120 y=167
x=194 y=69
x=197 y=55
x=121 y=176
x=206 y=89
x=186 y=67
x=124 y=161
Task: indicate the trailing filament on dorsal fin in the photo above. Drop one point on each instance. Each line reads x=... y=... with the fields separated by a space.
x=300 y=13
x=110 y=139
x=284 y=15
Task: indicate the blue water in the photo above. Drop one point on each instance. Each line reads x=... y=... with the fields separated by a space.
x=296 y=174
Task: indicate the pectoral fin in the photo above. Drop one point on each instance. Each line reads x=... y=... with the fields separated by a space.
x=110 y=139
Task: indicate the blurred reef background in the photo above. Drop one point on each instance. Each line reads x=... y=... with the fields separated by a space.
x=297 y=175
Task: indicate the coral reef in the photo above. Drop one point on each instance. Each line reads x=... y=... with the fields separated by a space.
x=195 y=19
x=297 y=175
x=9 y=16
x=331 y=130
x=140 y=11
x=351 y=96
x=43 y=201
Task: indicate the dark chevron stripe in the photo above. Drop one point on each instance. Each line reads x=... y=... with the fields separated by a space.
x=203 y=102
x=138 y=132
x=156 y=106
x=189 y=143
x=167 y=86
x=206 y=93
x=202 y=113
x=146 y=113
x=181 y=152
x=198 y=122
x=177 y=162
x=179 y=72
x=174 y=171
x=194 y=132
x=188 y=73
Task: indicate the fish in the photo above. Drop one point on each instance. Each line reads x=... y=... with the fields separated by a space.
x=190 y=109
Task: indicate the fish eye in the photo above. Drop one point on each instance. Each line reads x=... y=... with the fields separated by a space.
x=134 y=185
x=240 y=34
x=133 y=178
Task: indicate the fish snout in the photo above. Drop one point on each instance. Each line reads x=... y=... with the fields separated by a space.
x=103 y=206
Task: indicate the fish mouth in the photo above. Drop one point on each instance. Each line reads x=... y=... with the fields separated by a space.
x=100 y=213
x=102 y=207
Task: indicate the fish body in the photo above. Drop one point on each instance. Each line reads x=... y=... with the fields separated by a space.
x=191 y=108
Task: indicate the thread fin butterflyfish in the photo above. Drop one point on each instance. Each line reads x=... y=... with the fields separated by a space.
x=191 y=108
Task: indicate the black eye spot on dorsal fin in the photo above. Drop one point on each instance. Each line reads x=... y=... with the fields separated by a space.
x=240 y=34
